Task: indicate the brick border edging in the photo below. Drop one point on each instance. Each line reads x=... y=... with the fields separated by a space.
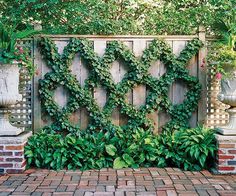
x=12 y=158
x=225 y=162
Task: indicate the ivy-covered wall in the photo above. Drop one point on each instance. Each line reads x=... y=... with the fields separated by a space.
x=63 y=73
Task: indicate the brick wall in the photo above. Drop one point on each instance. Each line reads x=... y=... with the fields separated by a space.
x=12 y=153
x=226 y=154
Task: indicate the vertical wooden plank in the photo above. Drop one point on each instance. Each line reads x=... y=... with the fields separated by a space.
x=99 y=47
x=154 y=117
x=115 y=73
x=170 y=43
x=192 y=66
x=139 y=92
x=84 y=115
x=193 y=70
x=118 y=70
x=154 y=72
x=100 y=92
x=178 y=46
x=154 y=67
x=179 y=87
x=76 y=70
x=76 y=67
x=61 y=45
x=61 y=94
x=36 y=115
x=39 y=120
x=163 y=117
x=45 y=119
x=124 y=69
x=202 y=105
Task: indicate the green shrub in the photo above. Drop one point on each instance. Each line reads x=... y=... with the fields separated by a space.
x=188 y=149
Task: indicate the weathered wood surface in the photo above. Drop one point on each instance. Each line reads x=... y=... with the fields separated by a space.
x=137 y=96
x=202 y=76
x=27 y=113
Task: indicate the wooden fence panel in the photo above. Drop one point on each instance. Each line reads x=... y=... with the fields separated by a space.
x=27 y=113
x=136 y=97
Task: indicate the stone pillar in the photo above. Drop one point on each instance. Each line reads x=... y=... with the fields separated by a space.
x=12 y=153
x=226 y=154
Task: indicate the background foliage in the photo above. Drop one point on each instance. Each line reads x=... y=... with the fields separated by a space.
x=222 y=52
x=116 y=16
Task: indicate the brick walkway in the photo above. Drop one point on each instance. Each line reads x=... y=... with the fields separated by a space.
x=125 y=182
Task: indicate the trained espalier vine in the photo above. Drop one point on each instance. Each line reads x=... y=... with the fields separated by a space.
x=99 y=67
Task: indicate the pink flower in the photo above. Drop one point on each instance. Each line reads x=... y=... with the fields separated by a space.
x=203 y=63
x=37 y=72
x=21 y=50
x=218 y=76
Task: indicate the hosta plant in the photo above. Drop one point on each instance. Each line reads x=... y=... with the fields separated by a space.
x=191 y=149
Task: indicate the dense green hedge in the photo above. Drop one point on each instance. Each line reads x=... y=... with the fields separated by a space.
x=191 y=149
x=117 y=17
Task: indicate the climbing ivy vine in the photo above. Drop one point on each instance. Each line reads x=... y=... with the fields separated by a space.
x=100 y=119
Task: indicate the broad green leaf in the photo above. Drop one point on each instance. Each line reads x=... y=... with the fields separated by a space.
x=128 y=159
x=119 y=163
x=202 y=160
x=110 y=149
x=147 y=141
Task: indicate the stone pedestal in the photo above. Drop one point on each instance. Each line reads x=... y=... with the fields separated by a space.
x=230 y=127
x=6 y=129
x=12 y=153
x=228 y=96
x=12 y=140
x=226 y=154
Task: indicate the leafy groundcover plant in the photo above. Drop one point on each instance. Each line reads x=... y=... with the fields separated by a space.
x=191 y=149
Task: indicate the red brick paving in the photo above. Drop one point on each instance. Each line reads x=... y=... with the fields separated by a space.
x=124 y=182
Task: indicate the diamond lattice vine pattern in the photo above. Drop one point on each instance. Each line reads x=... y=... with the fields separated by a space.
x=99 y=75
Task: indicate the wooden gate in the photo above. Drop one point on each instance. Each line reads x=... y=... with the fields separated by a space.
x=137 y=97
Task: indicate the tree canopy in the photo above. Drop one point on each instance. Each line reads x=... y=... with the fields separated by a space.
x=116 y=16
